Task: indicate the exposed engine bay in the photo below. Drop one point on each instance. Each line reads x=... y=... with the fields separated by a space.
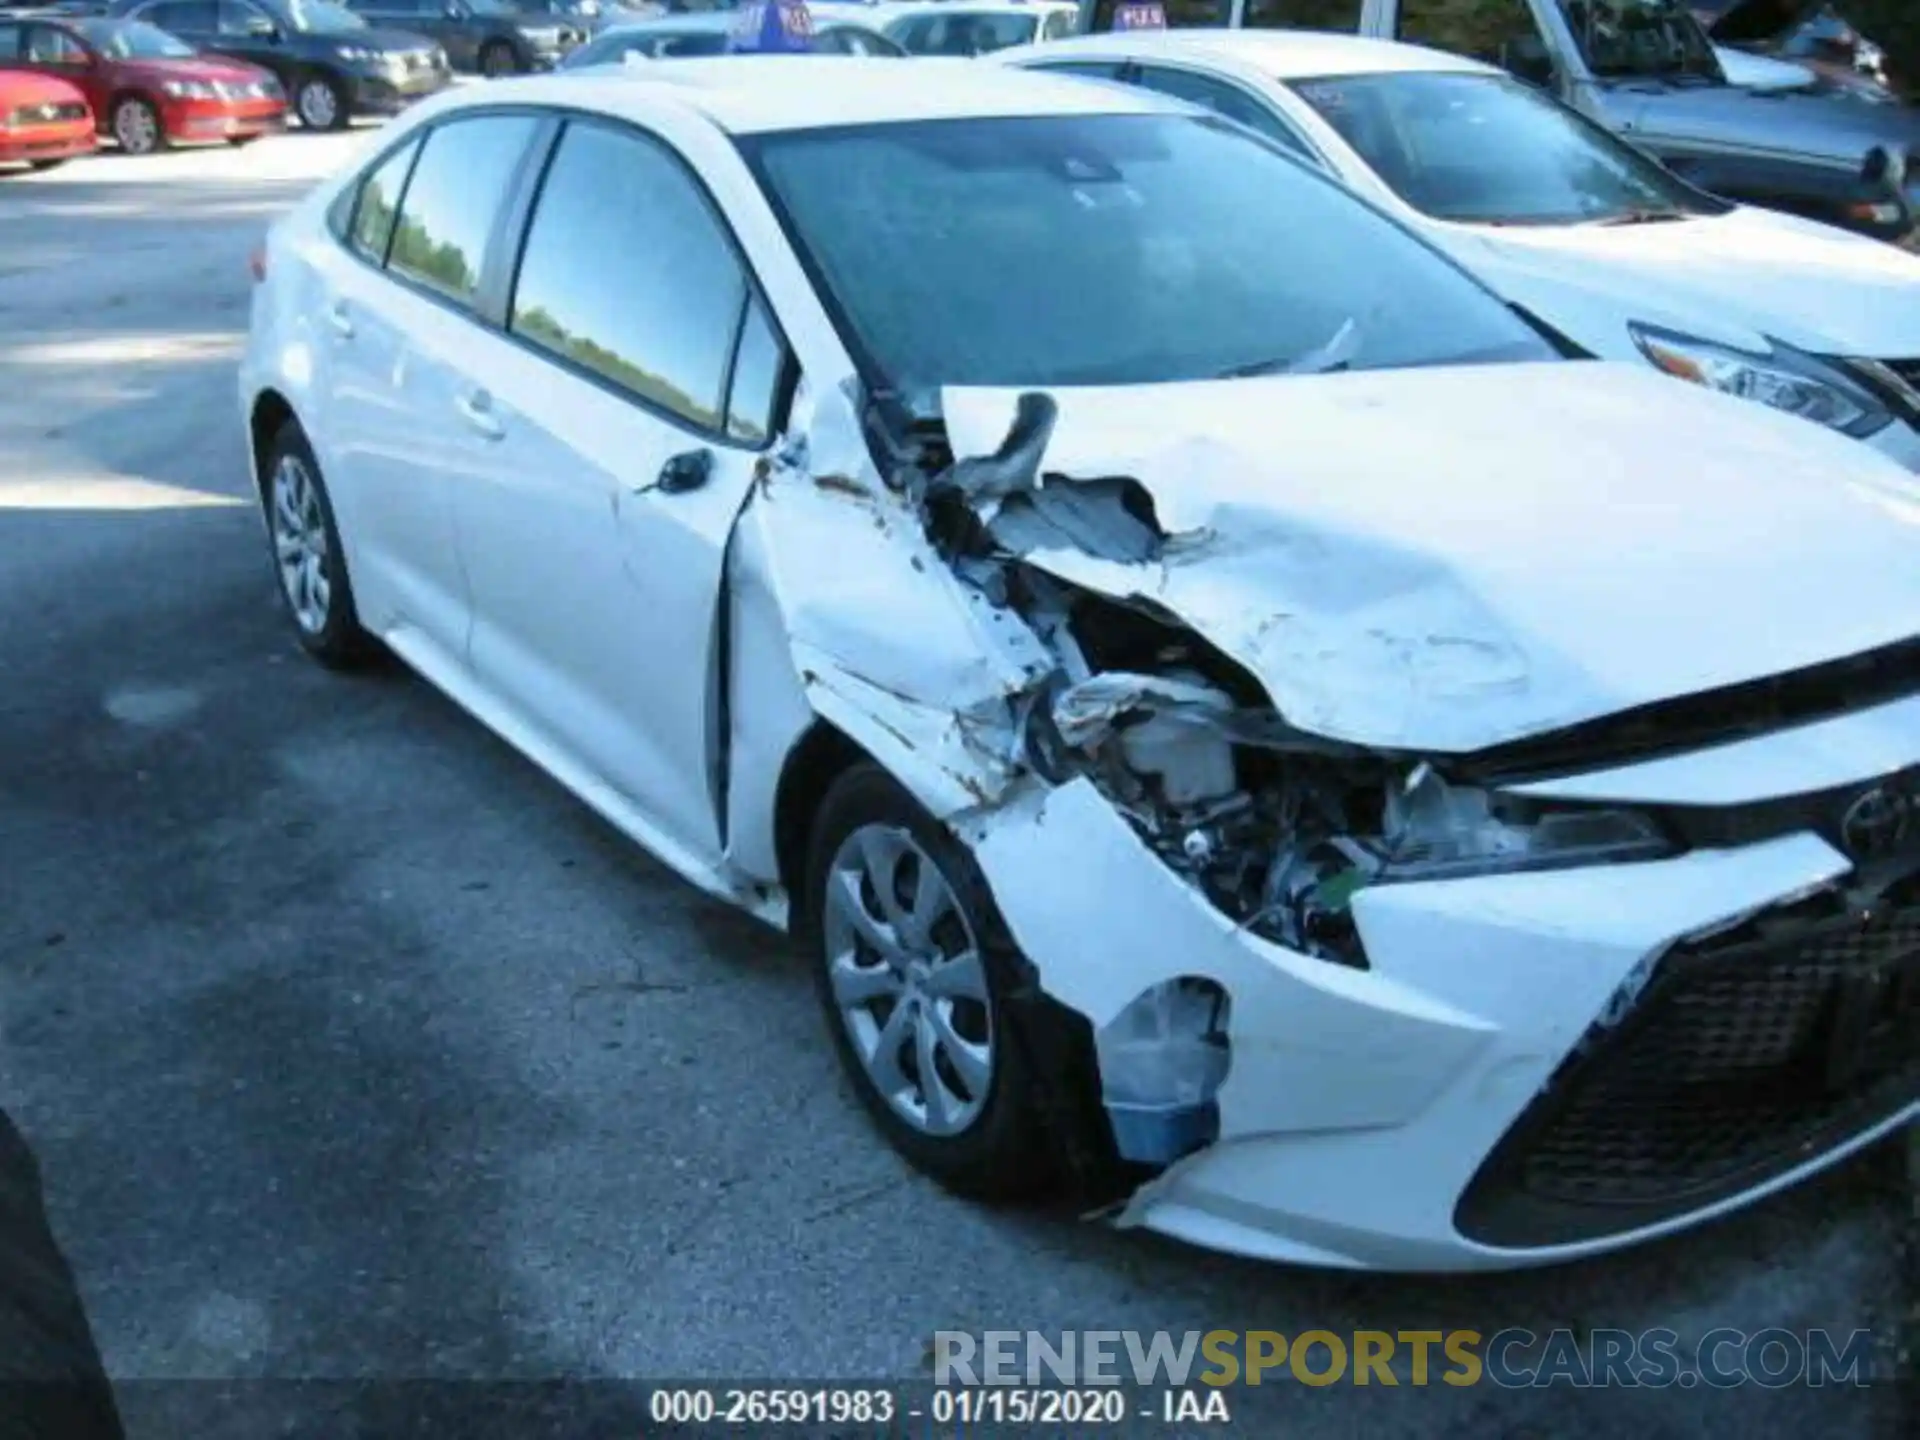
x=1278 y=827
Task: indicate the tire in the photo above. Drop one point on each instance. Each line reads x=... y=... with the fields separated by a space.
x=137 y=126
x=498 y=59
x=993 y=1147
x=309 y=563
x=320 y=103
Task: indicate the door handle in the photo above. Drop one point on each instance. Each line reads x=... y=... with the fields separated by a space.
x=686 y=471
x=476 y=408
x=340 y=320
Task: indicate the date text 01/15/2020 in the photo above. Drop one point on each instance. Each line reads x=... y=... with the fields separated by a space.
x=722 y=1406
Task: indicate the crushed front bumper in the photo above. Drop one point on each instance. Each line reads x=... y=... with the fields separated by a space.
x=1460 y=1104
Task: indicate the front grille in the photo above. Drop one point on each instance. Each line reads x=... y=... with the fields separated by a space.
x=1746 y=1055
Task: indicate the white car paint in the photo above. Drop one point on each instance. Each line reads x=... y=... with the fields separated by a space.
x=890 y=17
x=1737 y=280
x=1760 y=72
x=1437 y=559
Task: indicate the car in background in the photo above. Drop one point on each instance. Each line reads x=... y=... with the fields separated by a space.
x=589 y=17
x=148 y=89
x=714 y=32
x=1563 y=219
x=484 y=37
x=1647 y=71
x=1229 y=711
x=974 y=27
x=332 y=65
x=1808 y=35
x=44 y=121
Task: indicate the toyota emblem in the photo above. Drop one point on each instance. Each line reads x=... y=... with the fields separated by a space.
x=1877 y=823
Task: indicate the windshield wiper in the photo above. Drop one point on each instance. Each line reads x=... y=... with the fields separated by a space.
x=1643 y=217
x=1335 y=355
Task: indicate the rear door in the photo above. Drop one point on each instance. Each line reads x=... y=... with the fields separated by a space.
x=401 y=310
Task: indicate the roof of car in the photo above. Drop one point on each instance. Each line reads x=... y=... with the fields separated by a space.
x=1283 y=54
x=752 y=94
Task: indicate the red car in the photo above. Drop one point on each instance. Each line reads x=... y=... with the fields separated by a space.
x=148 y=89
x=43 y=121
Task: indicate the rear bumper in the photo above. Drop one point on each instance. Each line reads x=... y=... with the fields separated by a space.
x=47 y=142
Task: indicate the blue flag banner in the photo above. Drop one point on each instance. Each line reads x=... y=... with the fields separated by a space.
x=772 y=27
x=1139 y=15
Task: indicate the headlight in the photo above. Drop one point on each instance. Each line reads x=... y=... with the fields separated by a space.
x=355 y=54
x=1784 y=378
x=1438 y=831
x=190 y=90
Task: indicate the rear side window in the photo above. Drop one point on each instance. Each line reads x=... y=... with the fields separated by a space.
x=628 y=274
x=1223 y=99
x=379 y=204
x=450 y=205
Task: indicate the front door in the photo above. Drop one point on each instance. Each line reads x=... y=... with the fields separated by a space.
x=618 y=443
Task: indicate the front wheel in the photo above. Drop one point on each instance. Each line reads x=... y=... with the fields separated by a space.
x=321 y=104
x=137 y=128
x=913 y=966
x=308 y=558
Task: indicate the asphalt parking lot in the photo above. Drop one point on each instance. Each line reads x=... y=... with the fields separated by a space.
x=353 y=1048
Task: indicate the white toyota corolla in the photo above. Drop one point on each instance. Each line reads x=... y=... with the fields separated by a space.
x=1558 y=215
x=1245 y=728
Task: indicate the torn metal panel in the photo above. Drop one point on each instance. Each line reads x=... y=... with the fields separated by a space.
x=886 y=641
x=1406 y=584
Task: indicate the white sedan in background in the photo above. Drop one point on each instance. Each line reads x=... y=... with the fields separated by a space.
x=1582 y=230
x=1242 y=727
x=962 y=28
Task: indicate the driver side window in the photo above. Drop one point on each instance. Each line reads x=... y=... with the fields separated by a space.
x=1498 y=32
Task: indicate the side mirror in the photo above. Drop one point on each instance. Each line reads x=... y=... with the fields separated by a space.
x=1528 y=60
x=264 y=30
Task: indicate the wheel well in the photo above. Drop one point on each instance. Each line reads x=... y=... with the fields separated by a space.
x=271 y=412
x=129 y=94
x=822 y=757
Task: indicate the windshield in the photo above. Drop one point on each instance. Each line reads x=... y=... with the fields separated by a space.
x=1109 y=250
x=322 y=17
x=133 y=40
x=1487 y=149
x=965 y=33
x=1642 y=39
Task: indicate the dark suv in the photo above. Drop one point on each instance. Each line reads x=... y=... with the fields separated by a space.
x=491 y=37
x=332 y=65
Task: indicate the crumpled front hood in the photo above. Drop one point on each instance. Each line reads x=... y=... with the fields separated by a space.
x=1446 y=560
x=1812 y=286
